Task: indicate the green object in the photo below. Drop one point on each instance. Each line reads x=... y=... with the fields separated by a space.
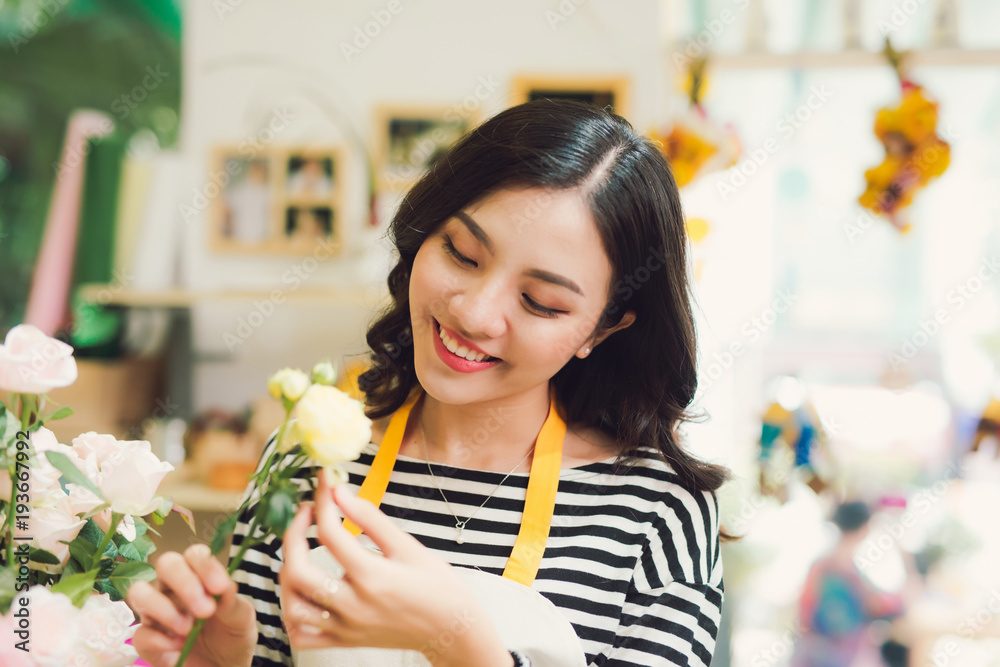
x=93 y=325
x=77 y=54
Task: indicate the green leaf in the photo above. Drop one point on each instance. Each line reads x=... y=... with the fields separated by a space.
x=138 y=549
x=73 y=566
x=43 y=556
x=128 y=573
x=223 y=531
x=76 y=587
x=105 y=586
x=8 y=588
x=280 y=512
x=61 y=413
x=82 y=550
x=71 y=473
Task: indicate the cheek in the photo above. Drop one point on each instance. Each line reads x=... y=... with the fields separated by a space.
x=549 y=343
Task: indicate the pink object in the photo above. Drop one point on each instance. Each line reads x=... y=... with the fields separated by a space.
x=139 y=661
x=48 y=302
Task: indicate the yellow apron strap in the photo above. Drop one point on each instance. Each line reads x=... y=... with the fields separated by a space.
x=539 y=502
x=375 y=484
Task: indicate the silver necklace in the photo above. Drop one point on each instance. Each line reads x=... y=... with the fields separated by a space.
x=460 y=523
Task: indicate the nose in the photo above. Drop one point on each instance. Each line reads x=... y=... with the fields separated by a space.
x=478 y=310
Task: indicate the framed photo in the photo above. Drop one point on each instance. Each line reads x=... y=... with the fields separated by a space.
x=410 y=139
x=282 y=201
x=602 y=91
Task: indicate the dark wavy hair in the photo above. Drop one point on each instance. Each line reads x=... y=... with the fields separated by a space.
x=637 y=385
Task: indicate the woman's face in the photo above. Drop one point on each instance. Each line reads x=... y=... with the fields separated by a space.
x=523 y=277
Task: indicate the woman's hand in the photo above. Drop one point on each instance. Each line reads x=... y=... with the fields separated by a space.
x=408 y=599
x=183 y=591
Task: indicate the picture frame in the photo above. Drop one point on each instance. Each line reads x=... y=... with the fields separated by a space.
x=409 y=138
x=281 y=200
x=600 y=90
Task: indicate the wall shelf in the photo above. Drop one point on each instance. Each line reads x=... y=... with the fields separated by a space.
x=115 y=295
x=856 y=58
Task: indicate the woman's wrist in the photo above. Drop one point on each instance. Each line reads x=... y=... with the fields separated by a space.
x=477 y=647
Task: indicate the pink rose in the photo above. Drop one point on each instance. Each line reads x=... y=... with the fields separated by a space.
x=128 y=473
x=33 y=363
x=45 y=486
x=51 y=526
x=53 y=642
x=63 y=635
x=106 y=626
x=11 y=656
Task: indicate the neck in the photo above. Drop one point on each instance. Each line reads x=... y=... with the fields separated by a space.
x=491 y=435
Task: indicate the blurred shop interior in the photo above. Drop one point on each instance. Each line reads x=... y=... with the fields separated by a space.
x=195 y=194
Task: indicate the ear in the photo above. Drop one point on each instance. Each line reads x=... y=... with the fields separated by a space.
x=626 y=321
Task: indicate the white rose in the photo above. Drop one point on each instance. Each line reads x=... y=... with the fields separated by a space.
x=105 y=627
x=51 y=526
x=130 y=476
x=330 y=425
x=33 y=363
x=46 y=489
x=10 y=655
x=126 y=527
x=54 y=642
x=288 y=382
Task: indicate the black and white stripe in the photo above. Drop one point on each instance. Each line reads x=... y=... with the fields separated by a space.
x=632 y=559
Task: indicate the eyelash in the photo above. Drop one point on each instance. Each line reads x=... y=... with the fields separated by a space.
x=450 y=249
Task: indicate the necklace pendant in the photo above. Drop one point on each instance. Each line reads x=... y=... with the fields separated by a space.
x=459 y=527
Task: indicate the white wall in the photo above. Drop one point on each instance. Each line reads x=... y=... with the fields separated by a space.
x=243 y=60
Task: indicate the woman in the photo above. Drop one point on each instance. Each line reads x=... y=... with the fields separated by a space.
x=528 y=383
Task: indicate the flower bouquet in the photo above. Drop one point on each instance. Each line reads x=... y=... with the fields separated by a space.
x=323 y=427
x=692 y=142
x=914 y=153
x=74 y=519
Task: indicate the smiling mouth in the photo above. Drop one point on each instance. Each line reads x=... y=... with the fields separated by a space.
x=460 y=350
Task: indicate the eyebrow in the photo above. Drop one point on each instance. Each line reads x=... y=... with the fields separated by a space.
x=483 y=238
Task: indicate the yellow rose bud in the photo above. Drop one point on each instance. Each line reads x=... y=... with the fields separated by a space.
x=290 y=383
x=324 y=373
x=331 y=426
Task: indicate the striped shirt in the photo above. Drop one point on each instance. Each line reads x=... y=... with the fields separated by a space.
x=632 y=559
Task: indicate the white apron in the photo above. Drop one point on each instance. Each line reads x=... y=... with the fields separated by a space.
x=525 y=620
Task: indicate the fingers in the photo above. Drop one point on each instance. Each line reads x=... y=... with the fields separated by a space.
x=393 y=542
x=179 y=574
x=217 y=582
x=156 y=647
x=298 y=574
x=354 y=558
x=153 y=605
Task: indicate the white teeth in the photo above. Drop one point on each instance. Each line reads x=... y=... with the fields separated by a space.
x=459 y=350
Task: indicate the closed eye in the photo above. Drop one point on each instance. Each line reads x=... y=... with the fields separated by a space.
x=539 y=308
x=449 y=248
